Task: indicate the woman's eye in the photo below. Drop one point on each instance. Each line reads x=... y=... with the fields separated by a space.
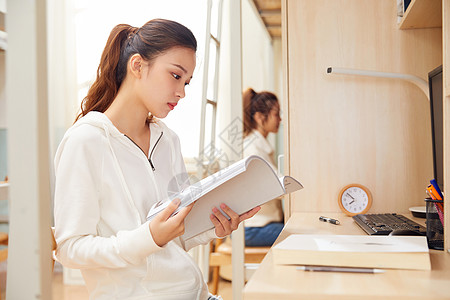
x=176 y=76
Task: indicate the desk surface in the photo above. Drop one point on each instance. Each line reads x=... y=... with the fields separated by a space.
x=272 y=281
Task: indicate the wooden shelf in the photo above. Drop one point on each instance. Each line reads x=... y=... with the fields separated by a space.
x=422 y=14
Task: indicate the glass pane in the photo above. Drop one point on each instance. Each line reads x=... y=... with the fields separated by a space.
x=208 y=122
x=215 y=17
x=211 y=71
x=210 y=152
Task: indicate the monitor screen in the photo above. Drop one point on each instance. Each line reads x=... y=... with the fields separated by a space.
x=437 y=126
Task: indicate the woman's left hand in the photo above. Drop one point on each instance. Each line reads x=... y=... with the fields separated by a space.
x=224 y=226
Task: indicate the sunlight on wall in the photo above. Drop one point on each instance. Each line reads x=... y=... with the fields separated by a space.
x=94 y=21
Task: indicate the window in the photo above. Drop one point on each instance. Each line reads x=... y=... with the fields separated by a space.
x=93 y=23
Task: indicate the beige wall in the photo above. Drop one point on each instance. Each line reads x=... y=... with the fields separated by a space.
x=343 y=129
x=257 y=52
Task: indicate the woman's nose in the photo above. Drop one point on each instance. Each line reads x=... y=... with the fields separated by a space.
x=181 y=92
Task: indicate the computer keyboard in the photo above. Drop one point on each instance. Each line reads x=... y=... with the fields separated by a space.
x=384 y=224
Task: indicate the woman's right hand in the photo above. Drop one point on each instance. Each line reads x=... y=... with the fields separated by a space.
x=165 y=228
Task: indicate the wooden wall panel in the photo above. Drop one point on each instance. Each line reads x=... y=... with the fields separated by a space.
x=446 y=94
x=348 y=129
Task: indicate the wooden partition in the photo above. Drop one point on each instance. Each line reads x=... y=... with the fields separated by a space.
x=446 y=77
x=343 y=129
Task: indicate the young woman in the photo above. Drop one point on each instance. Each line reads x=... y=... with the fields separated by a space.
x=261 y=116
x=119 y=160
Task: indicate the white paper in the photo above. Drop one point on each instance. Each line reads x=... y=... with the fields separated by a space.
x=354 y=243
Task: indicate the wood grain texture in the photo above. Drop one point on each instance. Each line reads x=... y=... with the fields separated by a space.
x=347 y=129
x=446 y=92
x=422 y=14
x=285 y=103
x=272 y=281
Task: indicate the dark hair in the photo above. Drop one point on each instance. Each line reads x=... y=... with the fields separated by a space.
x=151 y=40
x=254 y=102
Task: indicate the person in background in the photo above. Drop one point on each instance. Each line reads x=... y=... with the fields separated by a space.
x=261 y=116
x=117 y=162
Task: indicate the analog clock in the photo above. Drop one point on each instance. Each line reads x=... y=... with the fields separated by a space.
x=355 y=199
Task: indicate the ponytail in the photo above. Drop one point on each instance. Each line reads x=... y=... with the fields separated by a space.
x=153 y=39
x=249 y=121
x=254 y=102
x=105 y=87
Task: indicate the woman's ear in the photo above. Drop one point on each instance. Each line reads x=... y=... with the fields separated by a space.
x=259 y=118
x=135 y=65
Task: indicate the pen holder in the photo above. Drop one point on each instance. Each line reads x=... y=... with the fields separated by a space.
x=435 y=220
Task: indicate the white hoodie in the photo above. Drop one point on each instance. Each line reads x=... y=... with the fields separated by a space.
x=105 y=186
x=256 y=144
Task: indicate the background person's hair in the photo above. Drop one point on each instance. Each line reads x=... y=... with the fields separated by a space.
x=254 y=102
x=151 y=40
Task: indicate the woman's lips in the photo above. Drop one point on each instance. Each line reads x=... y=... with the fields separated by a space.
x=172 y=105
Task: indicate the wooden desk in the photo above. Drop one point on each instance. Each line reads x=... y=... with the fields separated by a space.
x=272 y=281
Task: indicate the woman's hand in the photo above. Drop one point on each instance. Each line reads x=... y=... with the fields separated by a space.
x=224 y=226
x=165 y=228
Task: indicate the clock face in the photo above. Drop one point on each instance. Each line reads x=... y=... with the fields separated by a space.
x=355 y=199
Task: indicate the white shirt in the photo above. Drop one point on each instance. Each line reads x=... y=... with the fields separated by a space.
x=256 y=144
x=104 y=188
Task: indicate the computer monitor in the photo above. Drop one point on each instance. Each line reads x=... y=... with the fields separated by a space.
x=437 y=125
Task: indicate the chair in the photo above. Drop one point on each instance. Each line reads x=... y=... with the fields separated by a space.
x=221 y=256
x=4 y=237
x=3 y=252
x=4 y=241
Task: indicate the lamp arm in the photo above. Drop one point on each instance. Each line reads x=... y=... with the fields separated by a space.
x=419 y=82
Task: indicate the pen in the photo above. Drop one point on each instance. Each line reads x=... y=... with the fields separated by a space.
x=330 y=220
x=339 y=269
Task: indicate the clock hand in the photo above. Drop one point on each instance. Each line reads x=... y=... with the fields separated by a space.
x=350 y=196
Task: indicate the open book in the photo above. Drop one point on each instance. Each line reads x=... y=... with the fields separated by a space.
x=242 y=186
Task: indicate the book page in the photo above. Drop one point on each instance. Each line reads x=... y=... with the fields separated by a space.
x=257 y=185
x=199 y=189
x=290 y=184
x=206 y=185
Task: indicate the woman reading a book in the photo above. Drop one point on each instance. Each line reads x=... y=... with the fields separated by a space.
x=116 y=162
x=262 y=116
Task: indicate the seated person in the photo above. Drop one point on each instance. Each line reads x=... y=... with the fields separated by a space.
x=262 y=115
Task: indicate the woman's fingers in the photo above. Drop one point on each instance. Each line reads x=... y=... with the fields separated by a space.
x=249 y=214
x=222 y=219
x=217 y=224
x=182 y=214
x=225 y=226
x=170 y=209
x=166 y=227
x=234 y=217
